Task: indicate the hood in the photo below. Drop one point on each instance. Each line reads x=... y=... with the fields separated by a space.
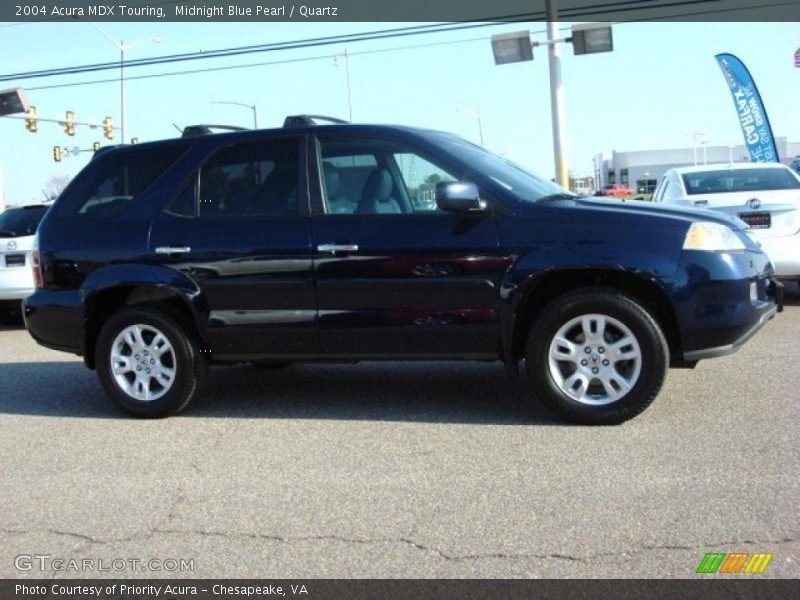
x=650 y=209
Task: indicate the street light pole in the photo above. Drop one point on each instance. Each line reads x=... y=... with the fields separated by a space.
x=122 y=47
x=557 y=96
x=250 y=106
x=476 y=112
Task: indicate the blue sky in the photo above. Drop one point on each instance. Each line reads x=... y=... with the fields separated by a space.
x=660 y=82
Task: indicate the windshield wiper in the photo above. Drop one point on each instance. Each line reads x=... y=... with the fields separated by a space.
x=7 y=233
x=559 y=196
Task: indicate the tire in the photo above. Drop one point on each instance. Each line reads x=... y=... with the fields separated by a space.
x=270 y=364
x=118 y=344
x=614 y=380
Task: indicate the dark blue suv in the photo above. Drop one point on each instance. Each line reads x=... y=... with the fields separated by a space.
x=350 y=242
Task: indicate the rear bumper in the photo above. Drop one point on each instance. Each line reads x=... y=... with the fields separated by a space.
x=55 y=319
x=16 y=283
x=784 y=253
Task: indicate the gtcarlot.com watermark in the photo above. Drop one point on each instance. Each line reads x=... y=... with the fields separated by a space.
x=48 y=563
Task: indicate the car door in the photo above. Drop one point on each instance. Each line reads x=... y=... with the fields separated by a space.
x=395 y=276
x=240 y=229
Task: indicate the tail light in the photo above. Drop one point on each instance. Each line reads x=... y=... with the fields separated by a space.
x=38 y=279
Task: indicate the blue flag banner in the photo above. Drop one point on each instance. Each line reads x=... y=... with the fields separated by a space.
x=752 y=114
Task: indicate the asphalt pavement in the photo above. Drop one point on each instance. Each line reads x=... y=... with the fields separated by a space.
x=399 y=470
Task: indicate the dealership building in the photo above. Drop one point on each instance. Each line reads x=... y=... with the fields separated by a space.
x=642 y=169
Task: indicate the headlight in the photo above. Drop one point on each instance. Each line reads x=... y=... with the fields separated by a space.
x=711 y=237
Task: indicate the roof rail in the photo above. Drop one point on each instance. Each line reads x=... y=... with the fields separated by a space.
x=197 y=130
x=301 y=120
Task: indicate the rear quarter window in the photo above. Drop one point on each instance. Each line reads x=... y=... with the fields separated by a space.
x=113 y=181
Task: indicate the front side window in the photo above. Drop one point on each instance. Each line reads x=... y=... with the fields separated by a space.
x=369 y=177
x=251 y=180
x=113 y=181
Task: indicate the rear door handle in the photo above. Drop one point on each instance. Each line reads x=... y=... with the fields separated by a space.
x=173 y=250
x=337 y=248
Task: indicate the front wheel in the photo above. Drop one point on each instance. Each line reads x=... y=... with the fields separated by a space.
x=147 y=363
x=596 y=357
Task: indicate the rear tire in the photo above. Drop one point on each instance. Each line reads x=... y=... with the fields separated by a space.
x=596 y=356
x=148 y=364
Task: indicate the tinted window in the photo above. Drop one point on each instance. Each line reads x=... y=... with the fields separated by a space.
x=739 y=180
x=113 y=181
x=377 y=176
x=18 y=222
x=251 y=180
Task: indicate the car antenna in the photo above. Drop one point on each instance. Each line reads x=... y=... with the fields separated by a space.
x=178 y=128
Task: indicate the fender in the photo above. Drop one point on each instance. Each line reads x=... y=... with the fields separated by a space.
x=144 y=276
x=552 y=261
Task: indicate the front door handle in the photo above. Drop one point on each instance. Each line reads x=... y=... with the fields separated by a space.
x=337 y=248
x=173 y=250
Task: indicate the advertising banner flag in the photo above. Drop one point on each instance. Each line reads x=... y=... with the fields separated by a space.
x=752 y=114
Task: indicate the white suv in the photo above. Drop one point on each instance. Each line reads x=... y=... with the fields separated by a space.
x=764 y=195
x=17 y=231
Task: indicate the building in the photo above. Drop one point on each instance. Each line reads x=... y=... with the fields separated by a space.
x=642 y=169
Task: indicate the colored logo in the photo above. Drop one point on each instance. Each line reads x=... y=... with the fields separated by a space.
x=738 y=562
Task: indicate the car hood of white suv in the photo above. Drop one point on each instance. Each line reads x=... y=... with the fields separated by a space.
x=782 y=206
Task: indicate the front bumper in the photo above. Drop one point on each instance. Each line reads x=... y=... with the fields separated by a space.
x=722 y=300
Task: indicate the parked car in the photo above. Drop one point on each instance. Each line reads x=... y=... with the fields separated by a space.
x=766 y=196
x=617 y=191
x=162 y=258
x=17 y=228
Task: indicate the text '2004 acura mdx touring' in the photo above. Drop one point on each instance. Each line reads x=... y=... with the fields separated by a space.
x=352 y=242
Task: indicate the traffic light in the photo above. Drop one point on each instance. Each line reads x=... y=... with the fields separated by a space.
x=96 y=146
x=108 y=128
x=30 y=122
x=69 y=125
x=57 y=153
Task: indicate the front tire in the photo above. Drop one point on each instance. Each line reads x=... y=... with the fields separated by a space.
x=147 y=363
x=596 y=356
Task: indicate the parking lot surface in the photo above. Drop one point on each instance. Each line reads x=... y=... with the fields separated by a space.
x=401 y=470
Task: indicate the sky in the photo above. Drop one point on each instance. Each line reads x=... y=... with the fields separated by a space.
x=660 y=83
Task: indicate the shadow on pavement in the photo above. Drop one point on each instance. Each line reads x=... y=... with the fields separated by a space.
x=406 y=392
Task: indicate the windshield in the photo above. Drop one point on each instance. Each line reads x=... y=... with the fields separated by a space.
x=18 y=222
x=524 y=185
x=739 y=180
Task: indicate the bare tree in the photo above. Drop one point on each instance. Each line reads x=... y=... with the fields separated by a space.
x=54 y=186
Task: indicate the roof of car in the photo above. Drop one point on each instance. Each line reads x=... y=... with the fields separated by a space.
x=244 y=134
x=729 y=167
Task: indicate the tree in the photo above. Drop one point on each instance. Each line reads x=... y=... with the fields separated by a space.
x=54 y=186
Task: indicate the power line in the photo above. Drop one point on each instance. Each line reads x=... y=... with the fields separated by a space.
x=593 y=10
x=359 y=53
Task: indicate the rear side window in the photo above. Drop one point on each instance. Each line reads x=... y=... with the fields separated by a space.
x=112 y=182
x=251 y=180
x=18 y=222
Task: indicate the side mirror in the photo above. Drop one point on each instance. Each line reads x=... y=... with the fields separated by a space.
x=459 y=196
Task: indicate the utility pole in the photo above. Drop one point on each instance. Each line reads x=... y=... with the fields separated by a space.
x=557 y=96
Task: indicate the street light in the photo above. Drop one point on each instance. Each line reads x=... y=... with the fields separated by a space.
x=517 y=47
x=122 y=47
x=242 y=104
x=13 y=101
x=474 y=112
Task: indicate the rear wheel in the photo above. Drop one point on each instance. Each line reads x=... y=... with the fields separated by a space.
x=596 y=357
x=147 y=363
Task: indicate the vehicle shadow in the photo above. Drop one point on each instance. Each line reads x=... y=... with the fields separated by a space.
x=452 y=392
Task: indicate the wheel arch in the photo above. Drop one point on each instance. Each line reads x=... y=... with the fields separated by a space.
x=541 y=289
x=109 y=292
